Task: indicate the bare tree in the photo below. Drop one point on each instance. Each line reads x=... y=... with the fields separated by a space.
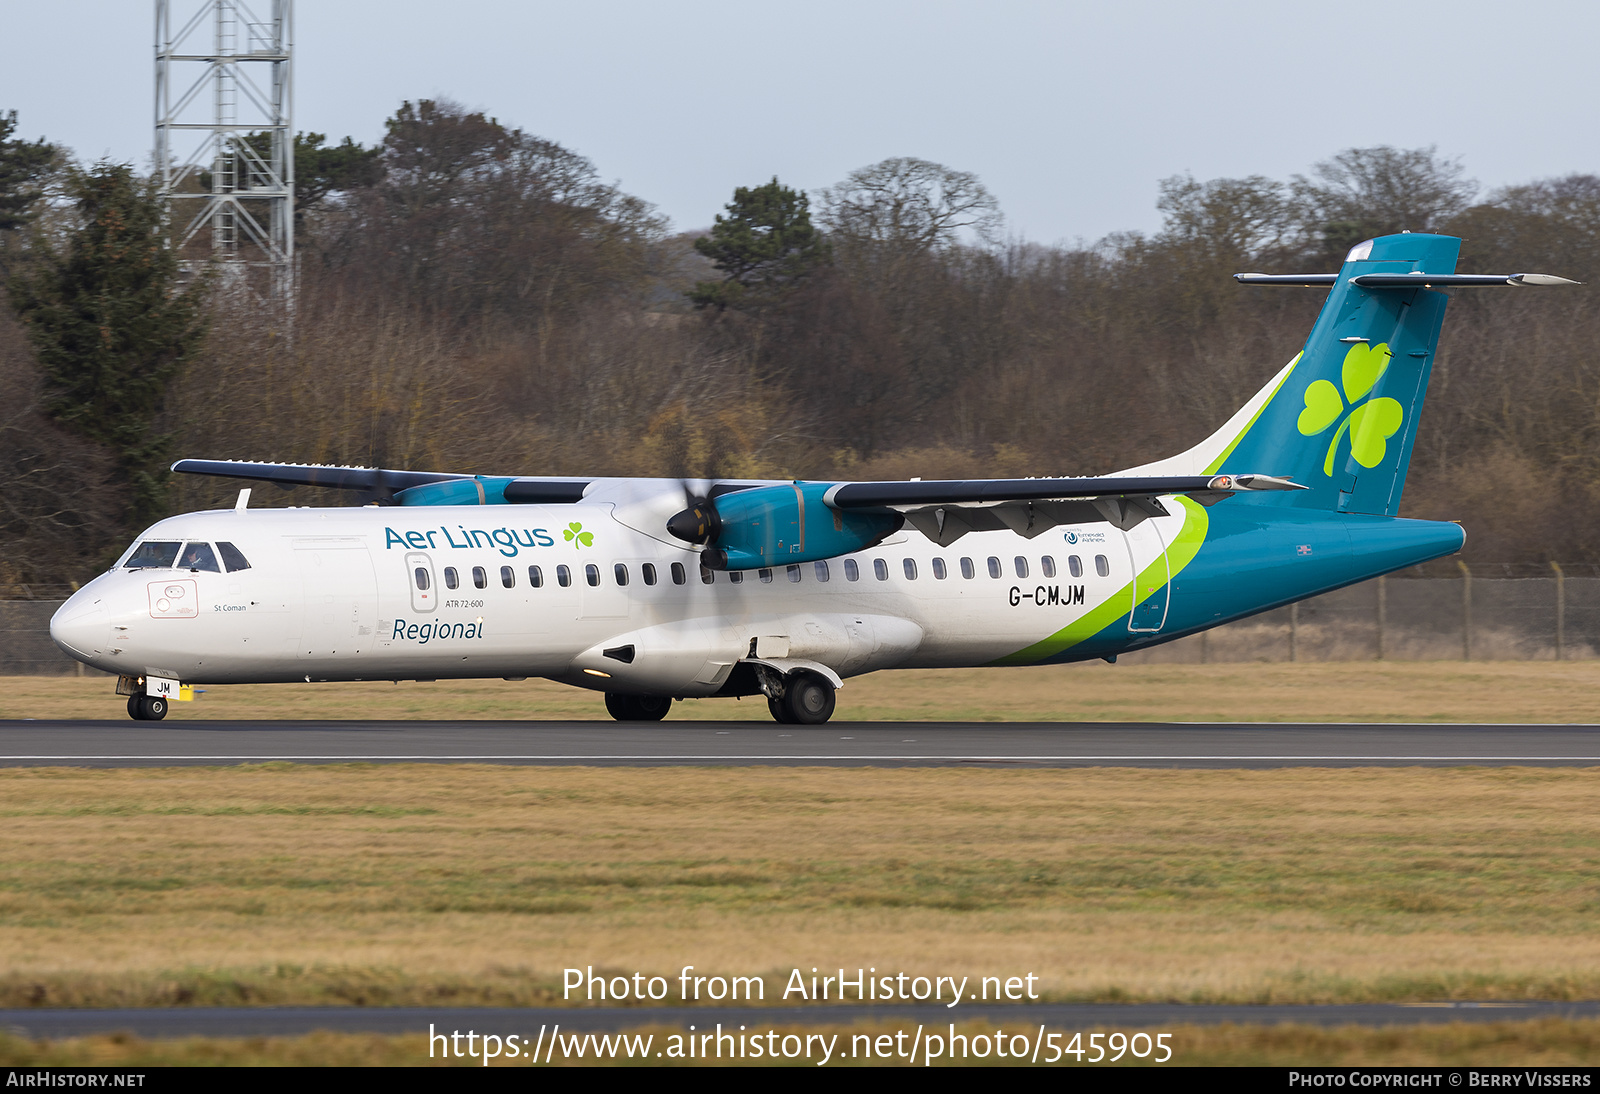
x=908 y=203
x=1364 y=192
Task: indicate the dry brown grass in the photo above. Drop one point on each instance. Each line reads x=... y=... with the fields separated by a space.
x=429 y=884
x=1546 y=1042
x=1360 y=691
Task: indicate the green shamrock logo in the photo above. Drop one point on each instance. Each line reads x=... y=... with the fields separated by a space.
x=575 y=535
x=1370 y=424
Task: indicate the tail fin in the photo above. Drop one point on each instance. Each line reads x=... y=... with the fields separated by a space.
x=1342 y=417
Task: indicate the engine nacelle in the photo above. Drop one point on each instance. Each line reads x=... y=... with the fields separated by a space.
x=777 y=525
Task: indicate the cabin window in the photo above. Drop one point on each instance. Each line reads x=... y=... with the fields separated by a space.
x=480 y=577
x=994 y=566
x=535 y=577
x=199 y=556
x=1022 y=566
x=452 y=580
x=591 y=574
x=508 y=577
x=794 y=573
x=679 y=577
x=851 y=570
x=232 y=558
x=649 y=572
x=966 y=569
x=707 y=576
x=880 y=569
x=765 y=574
x=939 y=572
x=910 y=566
x=1074 y=565
x=153 y=554
x=736 y=576
x=620 y=572
x=1102 y=565
x=821 y=570
x=563 y=576
x=423 y=581
x=1047 y=566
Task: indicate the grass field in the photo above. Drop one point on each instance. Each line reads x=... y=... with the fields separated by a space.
x=1542 y=1043
x=1357 y=691
x=464 y=884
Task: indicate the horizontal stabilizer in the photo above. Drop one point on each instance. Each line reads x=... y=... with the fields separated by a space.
x=1414 y=280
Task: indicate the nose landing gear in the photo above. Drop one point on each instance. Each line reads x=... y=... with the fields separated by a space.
x=147 y=708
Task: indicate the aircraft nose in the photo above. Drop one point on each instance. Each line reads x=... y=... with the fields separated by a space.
x=80 y=628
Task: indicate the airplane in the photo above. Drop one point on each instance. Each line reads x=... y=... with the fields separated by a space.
x=655 y=590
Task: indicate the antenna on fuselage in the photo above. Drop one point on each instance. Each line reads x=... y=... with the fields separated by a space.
x=244 y=501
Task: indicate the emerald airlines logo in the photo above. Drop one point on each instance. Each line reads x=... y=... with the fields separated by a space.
x=575 y=535
x=1370 y=424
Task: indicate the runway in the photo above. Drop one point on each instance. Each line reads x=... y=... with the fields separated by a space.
x=165 y=1022
x=851 y=744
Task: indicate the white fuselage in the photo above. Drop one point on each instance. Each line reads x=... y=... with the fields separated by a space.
x=511 y=591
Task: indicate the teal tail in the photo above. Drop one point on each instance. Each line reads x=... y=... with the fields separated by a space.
x=1342 y=418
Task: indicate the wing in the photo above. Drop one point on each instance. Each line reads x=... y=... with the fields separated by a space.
x=946 y=510
x=389 y=487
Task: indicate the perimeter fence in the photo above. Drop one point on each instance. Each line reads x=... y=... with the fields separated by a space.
x=1449 y=611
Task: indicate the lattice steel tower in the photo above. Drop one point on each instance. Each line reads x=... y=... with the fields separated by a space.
x=229 y=177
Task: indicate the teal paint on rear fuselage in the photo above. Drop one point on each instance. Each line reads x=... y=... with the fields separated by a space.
x=1256 y=558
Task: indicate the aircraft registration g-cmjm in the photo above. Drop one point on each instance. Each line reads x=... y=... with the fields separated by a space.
x=655 y=589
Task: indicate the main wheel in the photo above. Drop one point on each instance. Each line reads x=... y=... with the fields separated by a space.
x=135 y=709
x=651 y=708
x=780 y=713
x=637 y=708
x=808 y=700
x=148 y=708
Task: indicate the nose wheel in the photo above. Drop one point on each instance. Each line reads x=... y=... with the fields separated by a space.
x=147 y=708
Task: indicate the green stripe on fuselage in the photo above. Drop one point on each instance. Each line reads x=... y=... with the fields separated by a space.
x=1191 y=537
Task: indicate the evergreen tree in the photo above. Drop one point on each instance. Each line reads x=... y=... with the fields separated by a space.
x=108 y=328
x=22 y=165
x=765 y=244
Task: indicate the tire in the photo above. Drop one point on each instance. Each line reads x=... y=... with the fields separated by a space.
x=135 y=709
x=779 y=714
x=637 y=708
x=152 y=708
x=651 y=708
x=808 y=699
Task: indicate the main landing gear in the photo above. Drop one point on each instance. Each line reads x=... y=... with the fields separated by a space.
x=637 y=708
x=807 y=700
x=147 y=708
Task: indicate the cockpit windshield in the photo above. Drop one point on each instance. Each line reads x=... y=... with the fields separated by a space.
x=161 y=554
x=199 y=556
x=153 y=554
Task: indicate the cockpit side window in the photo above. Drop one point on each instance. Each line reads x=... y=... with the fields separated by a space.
x=153 y=554
x=232 y=558
x=199 y=556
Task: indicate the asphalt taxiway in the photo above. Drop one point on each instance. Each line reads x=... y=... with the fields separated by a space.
x=857 y=744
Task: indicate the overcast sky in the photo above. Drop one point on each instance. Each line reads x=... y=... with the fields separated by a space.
x=1069 y=112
